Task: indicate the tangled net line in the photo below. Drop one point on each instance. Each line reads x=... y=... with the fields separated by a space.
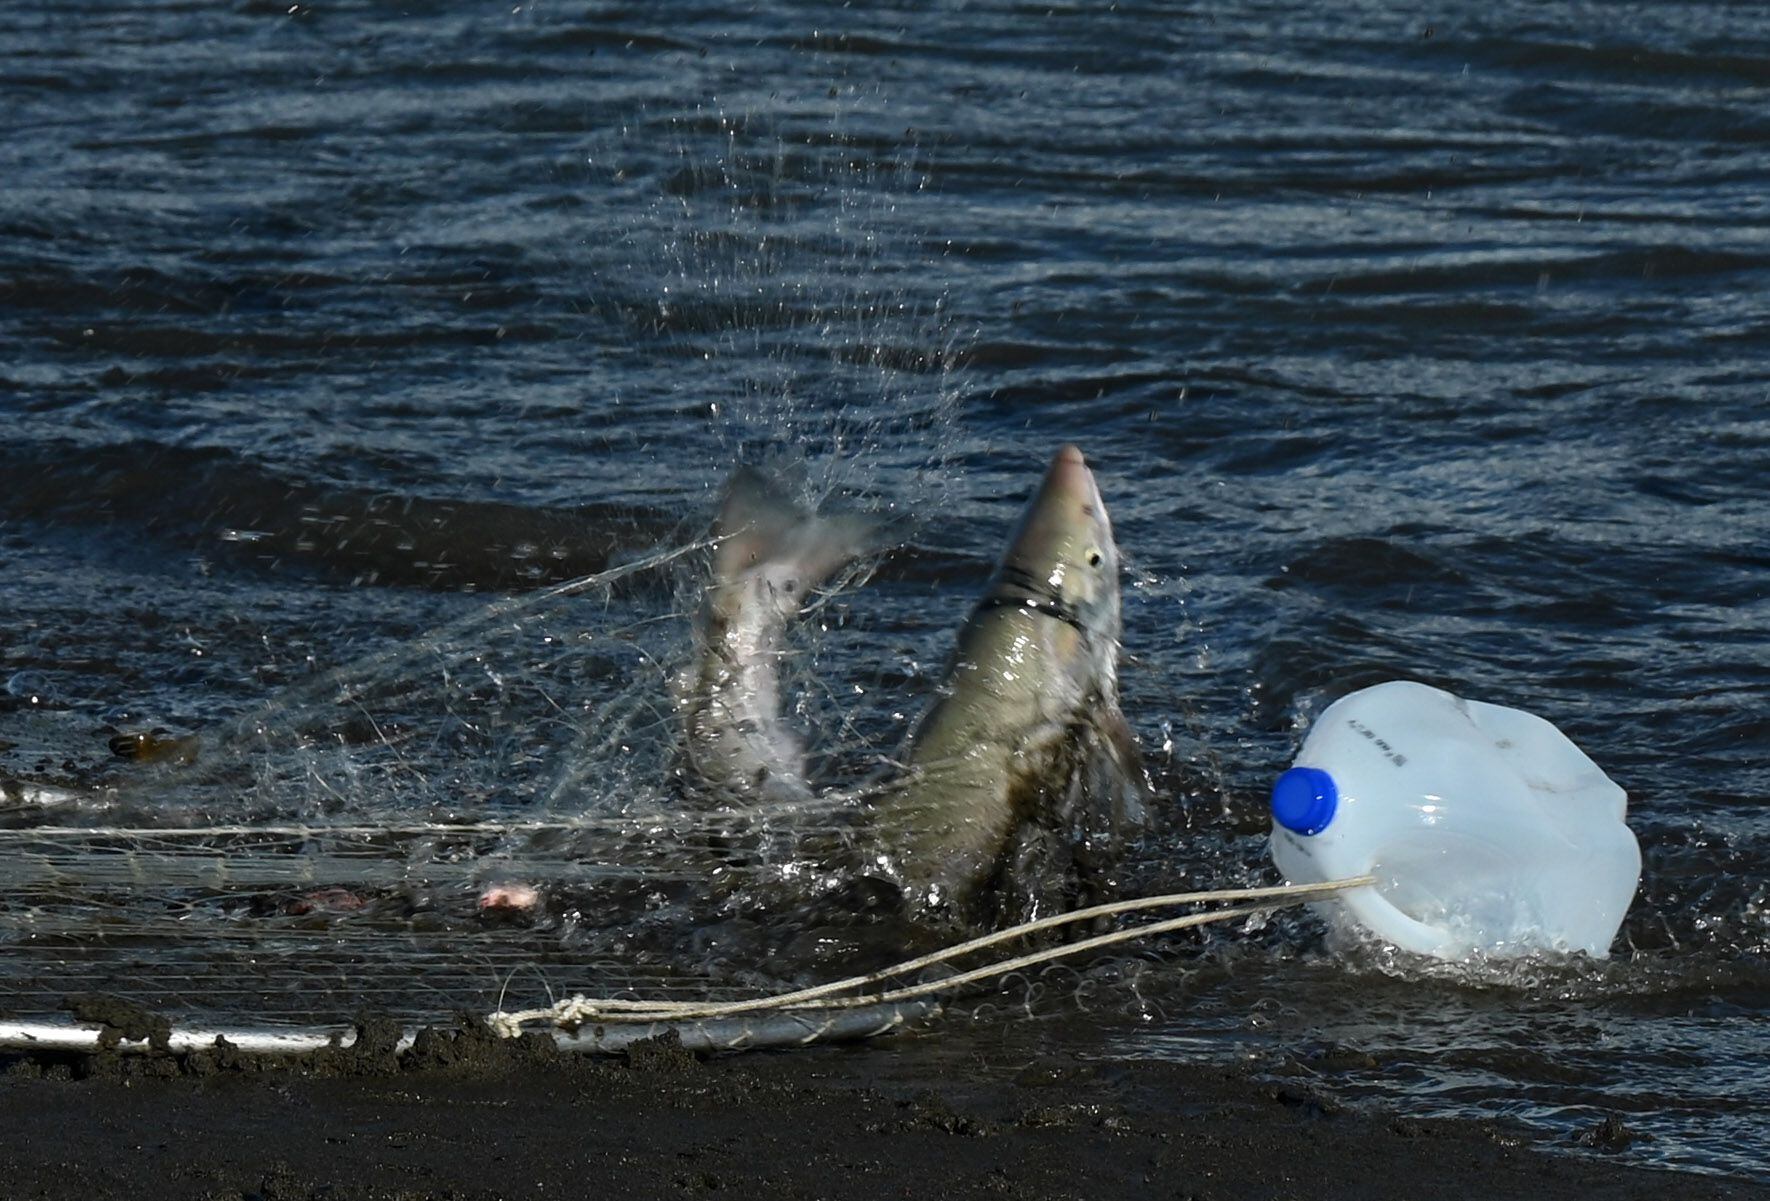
x=578 y=1010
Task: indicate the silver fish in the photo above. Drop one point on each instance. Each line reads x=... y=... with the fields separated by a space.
x=1023 y=775
x=770 y=560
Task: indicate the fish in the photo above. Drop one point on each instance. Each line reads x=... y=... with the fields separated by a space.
x=1019 y=783
x=771 y=558
x=18 y=795
x=1022 y=778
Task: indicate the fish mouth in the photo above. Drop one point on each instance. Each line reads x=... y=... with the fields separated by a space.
x=1067 y=503
x=1069 y=480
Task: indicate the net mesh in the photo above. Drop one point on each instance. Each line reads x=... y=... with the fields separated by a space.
x=329 y=849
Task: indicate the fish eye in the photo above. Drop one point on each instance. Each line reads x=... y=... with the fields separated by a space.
x=1095 y=558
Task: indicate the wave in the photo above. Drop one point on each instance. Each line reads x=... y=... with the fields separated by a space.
x=231 y=507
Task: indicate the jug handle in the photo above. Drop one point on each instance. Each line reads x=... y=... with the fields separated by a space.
x=1377 y=914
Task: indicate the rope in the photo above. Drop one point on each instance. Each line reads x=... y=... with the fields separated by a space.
x=579 y=1009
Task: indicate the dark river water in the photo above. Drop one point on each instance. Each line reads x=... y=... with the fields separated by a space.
x=1404 y=345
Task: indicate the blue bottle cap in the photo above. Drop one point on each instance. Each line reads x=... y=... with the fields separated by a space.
x=1304 y=800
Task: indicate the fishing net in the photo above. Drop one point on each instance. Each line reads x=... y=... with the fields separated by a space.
x=448 y=802
x=331 y=849
x=493 y=810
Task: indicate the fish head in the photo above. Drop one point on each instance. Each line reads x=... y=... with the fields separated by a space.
x=771 y=555
x=1062 y=562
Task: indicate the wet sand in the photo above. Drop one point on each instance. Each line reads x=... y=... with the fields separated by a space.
x=466 y=1118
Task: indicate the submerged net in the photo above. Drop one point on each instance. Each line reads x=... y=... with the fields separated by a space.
x=330 y=850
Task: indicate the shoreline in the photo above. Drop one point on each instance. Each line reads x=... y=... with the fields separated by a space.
x=466 y=1117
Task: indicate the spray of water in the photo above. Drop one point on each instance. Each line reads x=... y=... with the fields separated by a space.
x=334 y=843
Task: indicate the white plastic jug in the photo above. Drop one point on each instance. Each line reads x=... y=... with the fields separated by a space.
x=1489 y=832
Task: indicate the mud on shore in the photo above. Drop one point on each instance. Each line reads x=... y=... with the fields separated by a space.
x=467 y=1117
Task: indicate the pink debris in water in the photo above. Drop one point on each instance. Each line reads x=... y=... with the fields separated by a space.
x=509 y=898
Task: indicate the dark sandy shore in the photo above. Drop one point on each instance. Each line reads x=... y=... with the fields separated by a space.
x=464 y=1118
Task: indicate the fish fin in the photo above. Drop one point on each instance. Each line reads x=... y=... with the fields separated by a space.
x=1129 y=800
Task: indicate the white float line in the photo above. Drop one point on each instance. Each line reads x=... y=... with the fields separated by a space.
x=48 y=1035
x=770 y=1030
